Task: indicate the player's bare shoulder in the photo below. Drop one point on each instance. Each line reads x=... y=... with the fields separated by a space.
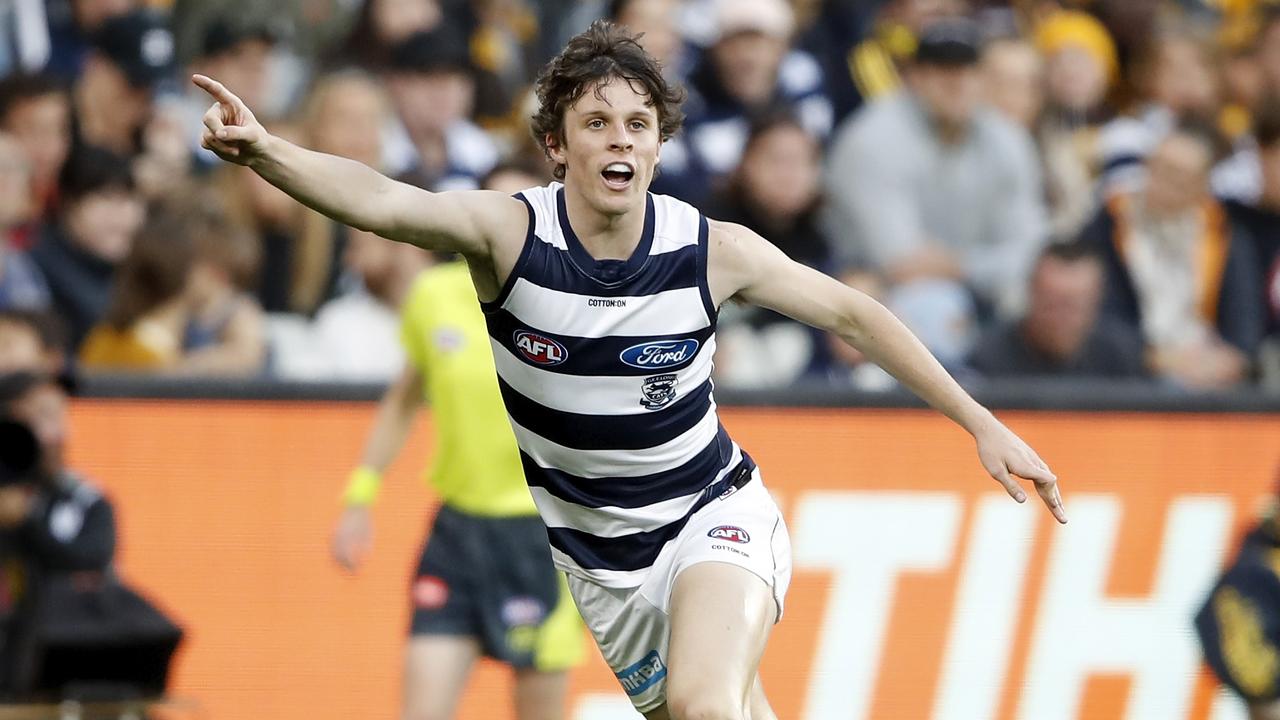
x=502 y=222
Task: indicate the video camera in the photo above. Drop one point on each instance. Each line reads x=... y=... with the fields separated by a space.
x=19 y=454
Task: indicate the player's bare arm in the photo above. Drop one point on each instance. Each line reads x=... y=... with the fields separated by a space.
x=744 y=265
x=485 y=227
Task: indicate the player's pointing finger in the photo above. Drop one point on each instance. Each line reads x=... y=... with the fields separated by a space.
x=217 y=90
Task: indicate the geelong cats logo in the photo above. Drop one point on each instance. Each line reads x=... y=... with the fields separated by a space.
x=658 y=391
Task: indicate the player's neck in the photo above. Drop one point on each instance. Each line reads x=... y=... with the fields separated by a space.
x=605 y=235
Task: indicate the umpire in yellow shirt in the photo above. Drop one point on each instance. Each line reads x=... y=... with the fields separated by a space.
x=485 y=584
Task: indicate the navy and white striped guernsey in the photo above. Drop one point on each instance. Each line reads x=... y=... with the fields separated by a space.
x=605 y=369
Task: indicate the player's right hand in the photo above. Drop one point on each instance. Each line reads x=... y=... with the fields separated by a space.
x=353 y=537
x=230 y=129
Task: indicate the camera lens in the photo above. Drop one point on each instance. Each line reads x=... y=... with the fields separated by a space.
x=19 y=452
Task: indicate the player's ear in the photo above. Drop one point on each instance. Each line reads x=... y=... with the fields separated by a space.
x=555 y=148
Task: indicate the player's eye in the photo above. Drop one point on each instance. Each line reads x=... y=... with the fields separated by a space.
x=638 y=125
x=595 y=124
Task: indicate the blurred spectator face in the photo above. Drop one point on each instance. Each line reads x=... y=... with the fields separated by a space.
x=42 y=125
x=1075 y=80
x=1013 y=78
x=44 y=410
x=395 y=20
x=747 y=65
x=951 y=94
x=15 y=183
x=383 y=265
x=1182 y=78
x=103 y=223
x=244 y=67
x=780 y=171
x=656 y=20
x=346 y=114
x=21 y=349
x=1063 y=306
x=429 y=102
x=89 y=14
x=112 y=109
x=1177 y=175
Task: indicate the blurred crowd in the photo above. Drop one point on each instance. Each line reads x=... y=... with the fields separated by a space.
x=1064 y=188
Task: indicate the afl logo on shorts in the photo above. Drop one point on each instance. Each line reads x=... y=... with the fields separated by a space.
x=731 y=533
x=540 y=350
x=430 y=593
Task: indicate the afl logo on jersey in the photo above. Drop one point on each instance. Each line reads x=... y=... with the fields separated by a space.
x=540 y=350
x=660 y=355
x=732 y=533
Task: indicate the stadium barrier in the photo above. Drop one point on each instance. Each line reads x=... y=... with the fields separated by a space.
x=920 y=590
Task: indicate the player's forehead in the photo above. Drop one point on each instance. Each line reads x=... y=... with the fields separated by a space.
x=613 y=96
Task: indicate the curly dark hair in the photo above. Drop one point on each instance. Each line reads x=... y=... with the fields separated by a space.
x=600 y=53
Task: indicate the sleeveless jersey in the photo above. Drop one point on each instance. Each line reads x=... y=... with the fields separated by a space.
x=605 y=371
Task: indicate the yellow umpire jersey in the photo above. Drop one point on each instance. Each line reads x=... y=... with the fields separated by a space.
x=477 y=466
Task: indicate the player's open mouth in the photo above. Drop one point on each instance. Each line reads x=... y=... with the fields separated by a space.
x=617 y=175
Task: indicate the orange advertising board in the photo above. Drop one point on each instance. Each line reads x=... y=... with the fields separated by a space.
x=920 y=590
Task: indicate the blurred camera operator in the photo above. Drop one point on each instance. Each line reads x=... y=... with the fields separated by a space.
x=51 y=521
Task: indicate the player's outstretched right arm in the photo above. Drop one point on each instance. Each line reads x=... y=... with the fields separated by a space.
x=350 y=192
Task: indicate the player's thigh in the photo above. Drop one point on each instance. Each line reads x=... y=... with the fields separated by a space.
x=435 y=673
x=721 y=615
x=541 y=695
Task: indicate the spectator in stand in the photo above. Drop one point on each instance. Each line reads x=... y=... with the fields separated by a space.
x=1180 y=270
x=1013 y=80
x=344 y=115
x=36 y=110
x=1081 y=68
x=72 y=27
x=940 y=194
x=384 y=24
x=1176 y=81
x=657 y=23
x=1262 y=219
x=775 y=192
x=432 y=86
x=99 y=213
x=355 y=337
x=1062 y=334
x=112 y=98
x=31 y=340
x=750 y=69
x=180 y=305
x=863 y=58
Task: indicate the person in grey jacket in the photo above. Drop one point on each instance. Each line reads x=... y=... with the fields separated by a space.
x=941 y=194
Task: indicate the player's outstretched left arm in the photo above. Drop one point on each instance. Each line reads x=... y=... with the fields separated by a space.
x=745 y=265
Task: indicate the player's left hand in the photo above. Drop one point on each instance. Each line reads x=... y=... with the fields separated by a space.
x=1008 y=458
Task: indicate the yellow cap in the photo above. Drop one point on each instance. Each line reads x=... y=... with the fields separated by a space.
x=1071 y=28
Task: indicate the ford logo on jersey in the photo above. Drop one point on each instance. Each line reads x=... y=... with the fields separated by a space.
x=660 y=355
x=540 y=350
